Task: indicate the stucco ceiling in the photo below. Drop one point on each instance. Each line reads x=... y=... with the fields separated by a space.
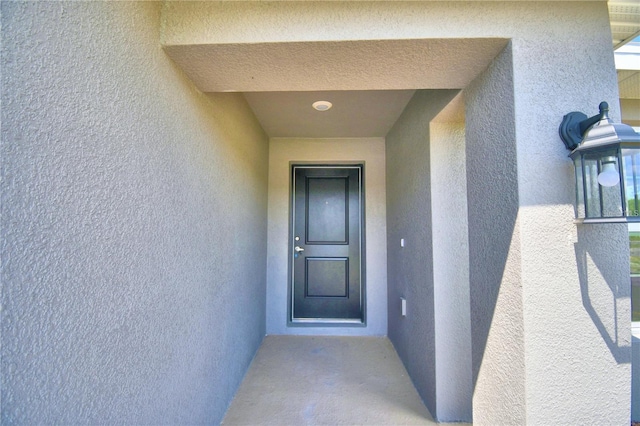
x=369 y=82
x=362 y=113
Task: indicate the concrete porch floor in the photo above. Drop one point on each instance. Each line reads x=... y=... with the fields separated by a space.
x=319 y=380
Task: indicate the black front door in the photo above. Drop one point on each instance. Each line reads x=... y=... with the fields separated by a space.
x=327 y=244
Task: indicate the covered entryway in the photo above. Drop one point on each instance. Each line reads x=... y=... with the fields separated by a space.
x=145 y=230
x=398 y=111
x=463 y=220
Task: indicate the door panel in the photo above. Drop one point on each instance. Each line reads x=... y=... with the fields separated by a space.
x=327 y=244
x=327 y=277
x=327 y=210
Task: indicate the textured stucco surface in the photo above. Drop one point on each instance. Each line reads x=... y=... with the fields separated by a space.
x=282 y=153
x=451 y=263
x=540 y=338
x=336 y=65
x=202 y=23
x=133 y=224
x=334 y=45
x=495 y=262
x=552 y=326
x=575 y=281
x=410 y=268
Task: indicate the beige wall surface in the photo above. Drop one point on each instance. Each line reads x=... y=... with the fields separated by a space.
x=133 y=224
x=287 y=21
x=282 y=153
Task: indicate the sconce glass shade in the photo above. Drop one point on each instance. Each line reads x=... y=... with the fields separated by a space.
x=609 y=176
x=607 y=167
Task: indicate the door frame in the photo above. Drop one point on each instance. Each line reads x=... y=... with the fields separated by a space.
x=320 y=322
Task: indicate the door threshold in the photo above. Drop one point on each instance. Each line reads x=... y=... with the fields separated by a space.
x=309 y=322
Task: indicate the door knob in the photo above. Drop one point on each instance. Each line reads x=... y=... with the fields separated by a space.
x=298 y=249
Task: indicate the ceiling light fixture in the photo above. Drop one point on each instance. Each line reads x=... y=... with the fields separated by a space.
x=322 y=105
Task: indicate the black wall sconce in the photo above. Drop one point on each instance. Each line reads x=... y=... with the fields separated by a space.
x=606 y=157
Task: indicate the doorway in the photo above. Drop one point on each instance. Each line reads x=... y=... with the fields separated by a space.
x=327 y=244
x=284 y=153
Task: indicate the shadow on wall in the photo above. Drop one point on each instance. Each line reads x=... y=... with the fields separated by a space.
x=490 y=151
x=493 y=246
x=592 y=250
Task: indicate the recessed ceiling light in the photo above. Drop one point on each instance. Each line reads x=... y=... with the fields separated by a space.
x=322 y=105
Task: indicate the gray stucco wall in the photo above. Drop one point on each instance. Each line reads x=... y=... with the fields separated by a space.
x=410 y=269
x=133 y=224
x=454 y=389
x=494 y=260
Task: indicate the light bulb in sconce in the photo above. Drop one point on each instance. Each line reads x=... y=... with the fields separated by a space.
x=609 y=175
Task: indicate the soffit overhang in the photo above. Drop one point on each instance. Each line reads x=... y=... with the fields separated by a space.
x=336 y=65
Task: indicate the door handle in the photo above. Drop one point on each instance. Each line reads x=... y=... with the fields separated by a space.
x=298 y=249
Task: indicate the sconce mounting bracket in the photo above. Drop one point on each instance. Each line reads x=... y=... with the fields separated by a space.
x=575 y=124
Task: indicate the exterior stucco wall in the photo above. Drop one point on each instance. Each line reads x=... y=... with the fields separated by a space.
x=410 y=269
x=273 y=21
x=566 y=334
x=498 y=311
x=133 y=224
x=450 y=238
x=575 y=279
x=495 y=264
x=282 y=153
